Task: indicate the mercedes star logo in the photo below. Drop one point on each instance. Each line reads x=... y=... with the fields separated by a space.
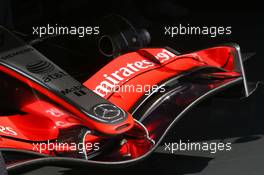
x=108 y=111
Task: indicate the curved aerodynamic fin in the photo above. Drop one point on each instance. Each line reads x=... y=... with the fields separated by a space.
x=239 y=66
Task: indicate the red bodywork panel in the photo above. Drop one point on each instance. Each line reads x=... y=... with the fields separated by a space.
x=89 y=122
x=43 y=121
x=133 y=69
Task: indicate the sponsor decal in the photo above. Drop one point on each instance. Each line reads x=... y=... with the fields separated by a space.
x=40 y=67
x=53 y=76
x=44 y=67
x=55 y=112
x=19 y=52
x=107 y=111
x=76 y=90
x=7 y=130
x=113 y=79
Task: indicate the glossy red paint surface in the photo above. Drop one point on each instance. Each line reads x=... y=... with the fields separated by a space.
x=152 y=74
x=43 y=121
x=103 y=127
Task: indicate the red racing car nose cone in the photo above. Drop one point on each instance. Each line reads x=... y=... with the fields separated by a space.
x=95 y=120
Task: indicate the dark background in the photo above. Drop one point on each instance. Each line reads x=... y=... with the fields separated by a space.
x=238 y=121
x=245 y=17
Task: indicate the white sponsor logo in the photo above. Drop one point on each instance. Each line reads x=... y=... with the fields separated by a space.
x=55 y=112
x=7 y=130
x=111 y=81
